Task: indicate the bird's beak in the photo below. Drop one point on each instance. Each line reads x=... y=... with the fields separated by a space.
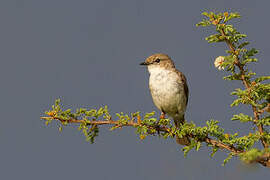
x=144 y=63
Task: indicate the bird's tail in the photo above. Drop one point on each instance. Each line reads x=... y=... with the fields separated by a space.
x=178 y=120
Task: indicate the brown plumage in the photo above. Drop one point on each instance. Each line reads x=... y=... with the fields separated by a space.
x=169 y=89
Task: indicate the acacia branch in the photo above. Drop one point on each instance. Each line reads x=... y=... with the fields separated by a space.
x=158 y=128
x=247 y=86
x=264 y=159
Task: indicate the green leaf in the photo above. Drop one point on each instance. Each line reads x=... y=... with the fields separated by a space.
x=227 y=159
x=243 y=45
x=148 y=115
x=249 y=60
x=237 y=37
x=262 y=78
x=265 y=121
x=236 y=102
x=241 y=117
x=46 y=123
x=231 y=16
x=186 y=149
x=214 y=150
x=204 y=23
x=214 y=38
x=250 y=53
x=198 y=145
x=233 y=77
x=206 y=14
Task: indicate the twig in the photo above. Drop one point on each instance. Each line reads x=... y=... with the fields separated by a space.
x=105 y=122
x=223 y=146
x=267 y=108
x=136 y=124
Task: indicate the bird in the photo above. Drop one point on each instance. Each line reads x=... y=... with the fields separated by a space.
x=169 y=90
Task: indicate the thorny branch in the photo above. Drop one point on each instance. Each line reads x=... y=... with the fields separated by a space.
x=237 y=62
x=264 y=160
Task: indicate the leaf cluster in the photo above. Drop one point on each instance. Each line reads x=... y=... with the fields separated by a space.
x=91 y=120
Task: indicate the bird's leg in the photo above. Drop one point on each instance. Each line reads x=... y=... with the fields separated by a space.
x=162 y=115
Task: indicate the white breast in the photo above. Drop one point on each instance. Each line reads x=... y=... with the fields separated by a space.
x=167 y=90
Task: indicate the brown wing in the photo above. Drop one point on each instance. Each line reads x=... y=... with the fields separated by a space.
x=184 y=82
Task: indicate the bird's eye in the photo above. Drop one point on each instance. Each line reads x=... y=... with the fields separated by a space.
x=157 y=60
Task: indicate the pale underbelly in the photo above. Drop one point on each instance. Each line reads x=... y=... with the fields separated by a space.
x=168 y=96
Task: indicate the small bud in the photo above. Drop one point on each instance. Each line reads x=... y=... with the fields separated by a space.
x=47 y=123
x=215 y=22
x=139 y=119
x=226 y=14
x=142 y=137
x=218 y=62
x=51 y=113
x=253 y=83
x=226 y=136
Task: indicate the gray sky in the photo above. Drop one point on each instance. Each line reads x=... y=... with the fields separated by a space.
x=88 y=53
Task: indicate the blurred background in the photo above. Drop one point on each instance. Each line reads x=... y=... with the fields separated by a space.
x=87 y=53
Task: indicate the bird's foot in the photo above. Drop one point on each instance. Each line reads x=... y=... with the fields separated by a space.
x=162 y=116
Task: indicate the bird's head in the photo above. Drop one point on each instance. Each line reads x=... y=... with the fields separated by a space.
x=158 y=61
